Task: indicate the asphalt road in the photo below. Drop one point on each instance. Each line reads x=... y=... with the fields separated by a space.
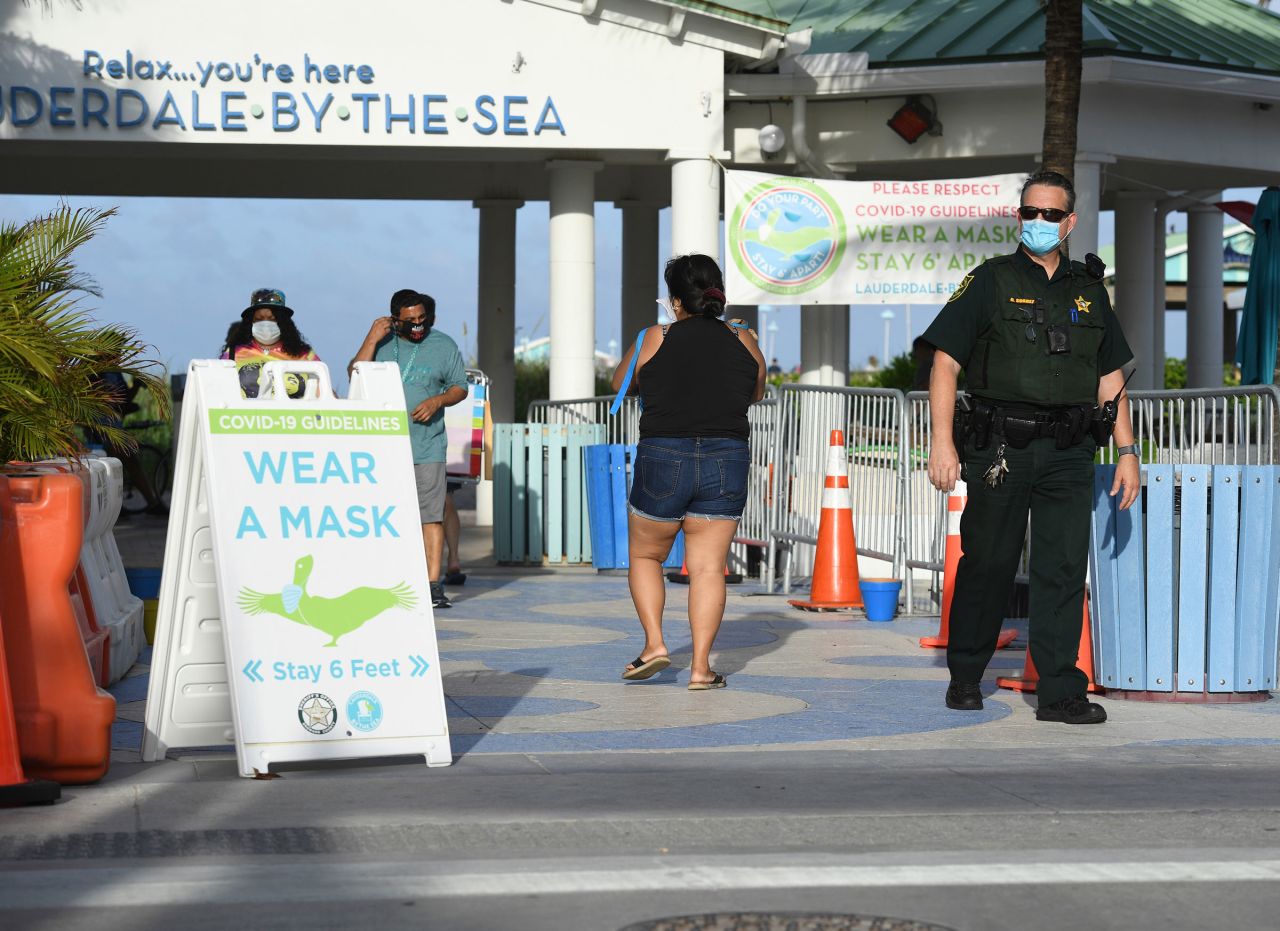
x=1156 y=837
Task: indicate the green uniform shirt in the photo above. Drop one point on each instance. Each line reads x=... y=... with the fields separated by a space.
x=427 y=369
x=987 y=324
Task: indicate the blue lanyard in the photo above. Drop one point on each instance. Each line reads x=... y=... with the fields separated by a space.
x=626 y=379
x=406 y=369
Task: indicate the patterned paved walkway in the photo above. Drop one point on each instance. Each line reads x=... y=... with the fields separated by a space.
x=532 y=664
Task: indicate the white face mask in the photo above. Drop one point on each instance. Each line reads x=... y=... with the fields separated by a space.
x=266 y=332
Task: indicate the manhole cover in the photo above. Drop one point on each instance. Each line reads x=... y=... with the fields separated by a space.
x=782 y=921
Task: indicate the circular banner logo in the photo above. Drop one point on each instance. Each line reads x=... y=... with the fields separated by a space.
x=364 y=711
x=787 y=235
x=317 y=713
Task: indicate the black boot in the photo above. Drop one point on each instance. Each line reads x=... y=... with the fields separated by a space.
x=1073 y=710
x=964 y=696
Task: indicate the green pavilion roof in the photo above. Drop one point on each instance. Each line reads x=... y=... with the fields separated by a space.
x=1227 y=34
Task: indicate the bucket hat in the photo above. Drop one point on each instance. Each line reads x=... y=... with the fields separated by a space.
x=268 y=297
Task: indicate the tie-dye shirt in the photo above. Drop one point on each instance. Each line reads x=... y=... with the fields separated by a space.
x=250 y=358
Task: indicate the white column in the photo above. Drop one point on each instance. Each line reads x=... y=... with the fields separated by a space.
x=824 y=344
x=1159 y=284
x=1204 y=295
x=640 y=289
x=1135 y=283
x=496 y=304
x=1088 y=185
x=695 y=205
x=572 y=303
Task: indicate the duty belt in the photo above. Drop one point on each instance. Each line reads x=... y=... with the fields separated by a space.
x=1016 y=427
x=1020 y=427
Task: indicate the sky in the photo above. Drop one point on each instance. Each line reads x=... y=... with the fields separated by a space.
x=181 y=270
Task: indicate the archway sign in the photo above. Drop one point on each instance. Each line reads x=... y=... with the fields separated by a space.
x=295 y=582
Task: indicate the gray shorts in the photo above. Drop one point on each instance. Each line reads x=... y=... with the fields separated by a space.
x=431 y=485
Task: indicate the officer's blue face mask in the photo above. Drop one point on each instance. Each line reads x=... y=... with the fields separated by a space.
x=1040 y=236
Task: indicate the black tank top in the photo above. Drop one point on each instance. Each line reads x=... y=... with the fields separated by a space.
x=698 y=383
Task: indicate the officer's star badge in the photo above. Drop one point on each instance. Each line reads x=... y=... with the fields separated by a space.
x=1082 y=306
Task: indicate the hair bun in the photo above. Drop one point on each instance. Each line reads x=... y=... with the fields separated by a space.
x=697 y=282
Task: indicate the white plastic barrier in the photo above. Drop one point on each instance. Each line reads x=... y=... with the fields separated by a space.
x=116 y=609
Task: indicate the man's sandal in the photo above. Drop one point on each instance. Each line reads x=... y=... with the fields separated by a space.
x=717 y=683
x=641 y=668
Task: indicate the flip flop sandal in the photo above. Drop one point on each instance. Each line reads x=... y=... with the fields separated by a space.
x=641 y=668
x=717 y=683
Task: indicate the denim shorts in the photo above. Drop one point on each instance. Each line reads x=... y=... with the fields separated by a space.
x=675 y=477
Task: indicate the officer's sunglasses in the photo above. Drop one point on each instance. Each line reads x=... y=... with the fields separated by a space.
x=1052 y=214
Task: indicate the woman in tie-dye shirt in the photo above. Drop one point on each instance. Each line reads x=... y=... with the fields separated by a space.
x=266 y=333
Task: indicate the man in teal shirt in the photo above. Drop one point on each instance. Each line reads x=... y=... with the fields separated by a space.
x=434 y=378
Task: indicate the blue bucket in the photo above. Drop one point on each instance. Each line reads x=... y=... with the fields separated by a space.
x=144 y=583
x=880 y=598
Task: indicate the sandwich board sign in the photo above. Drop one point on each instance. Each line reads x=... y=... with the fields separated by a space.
x=295 y=614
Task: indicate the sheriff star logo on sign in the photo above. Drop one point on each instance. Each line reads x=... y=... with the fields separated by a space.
x=317 y=713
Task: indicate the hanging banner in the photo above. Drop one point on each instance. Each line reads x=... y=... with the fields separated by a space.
x=803 y=241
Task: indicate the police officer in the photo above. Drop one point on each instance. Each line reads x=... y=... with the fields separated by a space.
x=1042 y=353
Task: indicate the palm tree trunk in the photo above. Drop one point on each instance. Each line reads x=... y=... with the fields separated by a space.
x=1063 y=41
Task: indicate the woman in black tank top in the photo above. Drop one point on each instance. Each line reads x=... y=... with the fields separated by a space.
x=696 y=377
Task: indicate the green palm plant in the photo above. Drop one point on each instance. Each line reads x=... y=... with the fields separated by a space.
x=53 y=355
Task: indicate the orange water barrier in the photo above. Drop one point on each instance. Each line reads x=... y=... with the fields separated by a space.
x=63 y=720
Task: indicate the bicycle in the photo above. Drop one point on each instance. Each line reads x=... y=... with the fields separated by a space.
x=155 y=463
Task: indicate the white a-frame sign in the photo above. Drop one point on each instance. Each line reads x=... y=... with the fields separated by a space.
x=295 y=583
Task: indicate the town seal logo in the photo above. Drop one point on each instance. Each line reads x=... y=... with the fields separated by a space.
x=317 y=713
x=787 y=236
x=364 y=711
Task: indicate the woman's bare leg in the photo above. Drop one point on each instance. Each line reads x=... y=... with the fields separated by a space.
x=706 y=544
x=650 y=542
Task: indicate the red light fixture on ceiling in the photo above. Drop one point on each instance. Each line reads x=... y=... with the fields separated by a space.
x=913 y=119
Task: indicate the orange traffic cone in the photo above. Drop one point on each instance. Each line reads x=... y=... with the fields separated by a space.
x=835 y=565
x=951 y=562
x=15 y=787
x=1027 y=681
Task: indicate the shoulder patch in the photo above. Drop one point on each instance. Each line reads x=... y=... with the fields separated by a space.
x=961 y=288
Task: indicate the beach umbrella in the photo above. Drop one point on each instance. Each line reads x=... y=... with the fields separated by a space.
x=1256 y=348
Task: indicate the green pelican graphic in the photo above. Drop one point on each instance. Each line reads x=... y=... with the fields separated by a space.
x=797 y=242
x=333 y=617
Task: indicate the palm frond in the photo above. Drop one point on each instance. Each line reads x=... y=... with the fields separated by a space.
x=53 y=354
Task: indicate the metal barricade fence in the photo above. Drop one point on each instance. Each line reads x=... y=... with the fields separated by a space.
x=622 y=427
x=872 y=421
x=1227 y=426
x=753 y=529
x=898 y=516
x=1223 y=426
x=925 y=510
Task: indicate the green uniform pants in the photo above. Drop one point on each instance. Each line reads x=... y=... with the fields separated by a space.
x=1056 y=487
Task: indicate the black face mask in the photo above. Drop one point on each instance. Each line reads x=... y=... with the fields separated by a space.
x=413 y=332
